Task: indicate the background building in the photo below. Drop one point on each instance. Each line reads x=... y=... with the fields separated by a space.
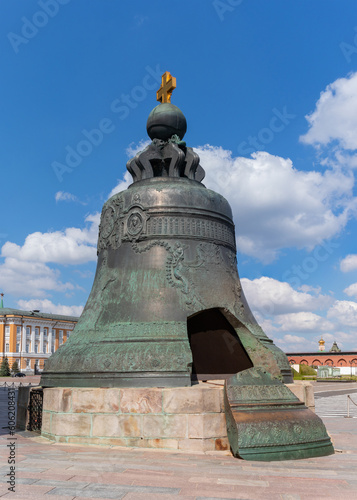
x=346 y=361
x=30 y=337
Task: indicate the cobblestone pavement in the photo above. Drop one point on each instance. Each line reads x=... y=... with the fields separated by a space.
x=45 y=470
x=335 y=399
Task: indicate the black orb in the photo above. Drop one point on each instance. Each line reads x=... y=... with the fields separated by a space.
x=165 y=121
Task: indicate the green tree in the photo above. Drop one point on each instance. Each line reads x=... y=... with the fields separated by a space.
x=15 y=367
x=5 y=368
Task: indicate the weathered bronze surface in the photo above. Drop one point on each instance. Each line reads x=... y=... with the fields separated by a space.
x=167 y=306
x=165 y=122
x=166 y=251
x=266 y=421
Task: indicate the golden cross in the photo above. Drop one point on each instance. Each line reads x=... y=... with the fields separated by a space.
x=168 y=84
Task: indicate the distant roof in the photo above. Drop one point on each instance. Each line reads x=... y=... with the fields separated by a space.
x=335 y=348
x=32 y=314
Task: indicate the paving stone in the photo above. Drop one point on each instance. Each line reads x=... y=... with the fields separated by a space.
x=73 y=493
x=57 y=483
x=154 y=496
x=33 y=490
x=46 y=474
x=105 y=491
x=20 y=480
x=216 y=498
x=18 y=496
x=155 y=481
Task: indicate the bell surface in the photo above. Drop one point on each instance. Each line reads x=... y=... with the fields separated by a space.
x=166 y=306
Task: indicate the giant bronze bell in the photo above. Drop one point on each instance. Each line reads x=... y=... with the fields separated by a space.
x=167 y=306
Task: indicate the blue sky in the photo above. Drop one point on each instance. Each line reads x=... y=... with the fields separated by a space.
x=269 y=90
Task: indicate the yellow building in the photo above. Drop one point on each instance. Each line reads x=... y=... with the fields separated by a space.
x=30 y=337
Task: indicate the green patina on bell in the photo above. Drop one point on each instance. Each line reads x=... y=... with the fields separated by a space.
x=167 y=306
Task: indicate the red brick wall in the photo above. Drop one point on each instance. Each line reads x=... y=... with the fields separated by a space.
x=326 y=358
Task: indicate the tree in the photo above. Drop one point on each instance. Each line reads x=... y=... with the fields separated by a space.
x=5 y=368
x=15 y=367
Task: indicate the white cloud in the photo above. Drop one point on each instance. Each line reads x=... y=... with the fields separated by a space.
x=345 y=312
x=289 y=317
x=46 y=306
x=25 y=271
x=133 y=149
x=333 y=124
x=130 y=151
x=351 y=290
x=273 y=297
x=276 y=206
x=349 y=263
x=63 y=196
x=122 y=185
x=335 y=115
x=295 y=343
x=31 y=279
x=71 y=246
x=295 y=339
x=339 y=336
x=303 y=322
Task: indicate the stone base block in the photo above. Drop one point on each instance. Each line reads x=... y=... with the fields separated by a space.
x=304 y=391
x=183 y=418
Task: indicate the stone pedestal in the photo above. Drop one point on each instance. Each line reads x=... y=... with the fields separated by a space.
x=187 y=418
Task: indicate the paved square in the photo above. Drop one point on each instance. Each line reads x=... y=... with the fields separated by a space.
x=45 y=470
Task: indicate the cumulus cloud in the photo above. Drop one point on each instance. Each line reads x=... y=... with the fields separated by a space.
x=335 y=115
x=289 y=316
x=345 y=312
x=32 y=279
x=133 y=149
x=71 y=246
x=276 y=206
x=271 y=297
x=340 y=337
x=130 y=151
x=295 y=339
x=295 y=343
x=351 y=290
x=25 y=270
x=122 y=185
x=349 y=263
x=303 y=322
x=46 y=306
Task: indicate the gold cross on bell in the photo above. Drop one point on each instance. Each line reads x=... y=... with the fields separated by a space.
x=168 y=84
